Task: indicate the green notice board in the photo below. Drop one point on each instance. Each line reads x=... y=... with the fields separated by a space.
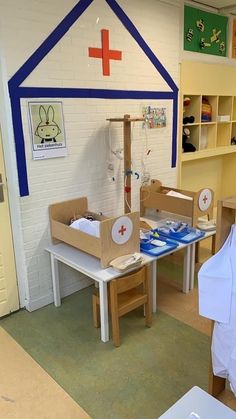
x=205 y=32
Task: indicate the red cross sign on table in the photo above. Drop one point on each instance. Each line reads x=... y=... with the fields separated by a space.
x=205 y=199
x=122 y=230
x=105 y=53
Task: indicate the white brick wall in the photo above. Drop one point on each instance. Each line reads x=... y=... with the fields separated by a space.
x=83 y=172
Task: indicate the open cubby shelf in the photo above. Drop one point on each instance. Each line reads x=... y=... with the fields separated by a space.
x=213 y=135
x=213 y=163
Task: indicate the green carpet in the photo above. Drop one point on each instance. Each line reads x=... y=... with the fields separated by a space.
x=172 y=268
x=139 y=380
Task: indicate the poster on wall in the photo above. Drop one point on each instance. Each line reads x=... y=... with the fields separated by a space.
x=234 y=39
x=47 y=130
x=205 y=32
x=155 y=117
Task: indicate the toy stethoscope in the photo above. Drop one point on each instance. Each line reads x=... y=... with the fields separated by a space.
x=130 y=172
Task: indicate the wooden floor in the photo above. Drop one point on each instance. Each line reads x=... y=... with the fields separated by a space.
x=27 y=391
x=183 y=307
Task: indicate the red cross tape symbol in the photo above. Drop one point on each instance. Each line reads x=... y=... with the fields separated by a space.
x=122 y=230
x=105 y=53
x=205 y=199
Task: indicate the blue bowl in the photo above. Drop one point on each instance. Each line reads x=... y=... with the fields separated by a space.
x=145 y=244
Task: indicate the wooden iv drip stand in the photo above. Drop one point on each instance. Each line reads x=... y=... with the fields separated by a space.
x=127 y=154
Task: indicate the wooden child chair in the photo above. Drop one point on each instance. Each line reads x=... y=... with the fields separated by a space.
x=125 y=294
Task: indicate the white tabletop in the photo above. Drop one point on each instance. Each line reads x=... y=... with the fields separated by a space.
x=85 y=263
x=202 y=404
x=90 y=265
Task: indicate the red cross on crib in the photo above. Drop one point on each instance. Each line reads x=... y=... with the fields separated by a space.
x=122 y=230
x=105 y=53
x=205 y=199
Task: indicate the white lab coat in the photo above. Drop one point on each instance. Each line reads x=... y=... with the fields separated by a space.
x=217 y=301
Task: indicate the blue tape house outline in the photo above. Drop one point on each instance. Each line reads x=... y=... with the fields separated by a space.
x=17 y=92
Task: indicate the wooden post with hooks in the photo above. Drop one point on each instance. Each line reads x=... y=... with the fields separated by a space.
x=127 y=163
x=127 y=156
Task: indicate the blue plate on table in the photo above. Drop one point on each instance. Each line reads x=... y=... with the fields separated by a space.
x=187 y=235
x=146 y=246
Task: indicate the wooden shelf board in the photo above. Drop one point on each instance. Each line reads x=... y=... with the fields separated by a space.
x=125 y=119
x=208 y=123
x=205 y=123
x=210 y=152
x=191 y=125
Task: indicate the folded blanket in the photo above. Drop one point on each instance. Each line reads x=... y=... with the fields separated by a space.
x=179 y=195
x=87 y=226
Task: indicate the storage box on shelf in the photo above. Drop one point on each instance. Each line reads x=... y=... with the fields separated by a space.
x=105 y=247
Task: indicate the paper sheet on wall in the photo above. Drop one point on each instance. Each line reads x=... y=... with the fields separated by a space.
x=47 y=130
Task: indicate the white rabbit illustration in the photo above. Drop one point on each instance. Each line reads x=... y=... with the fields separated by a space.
x=47 y=128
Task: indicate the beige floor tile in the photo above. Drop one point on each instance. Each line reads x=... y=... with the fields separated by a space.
x=183 y=307
x=27 y=391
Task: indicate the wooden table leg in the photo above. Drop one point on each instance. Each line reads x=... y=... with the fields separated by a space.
x=197 y=252
x=213 y=244
x=216 y=385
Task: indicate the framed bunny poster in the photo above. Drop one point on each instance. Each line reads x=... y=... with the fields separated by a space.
x=47 y=130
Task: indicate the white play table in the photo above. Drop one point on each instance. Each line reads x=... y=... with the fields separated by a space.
x=197 y=404
x=90 y=266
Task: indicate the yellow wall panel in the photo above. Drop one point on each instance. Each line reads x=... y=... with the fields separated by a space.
x=206 y=173
x=229 y=175
x=208 y=79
